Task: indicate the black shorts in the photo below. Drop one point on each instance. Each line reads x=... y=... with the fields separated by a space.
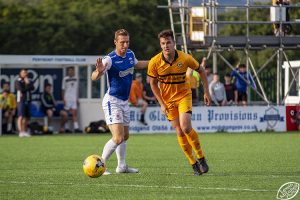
x=242 y=96
x=24 y=109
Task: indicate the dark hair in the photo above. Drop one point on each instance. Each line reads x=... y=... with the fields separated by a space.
x=227 y=75
x=47 y=85
x=166 y=33
x=4 y=83
x=23 y=69
x=242 y=65
x=70 y=67
x=122 y=32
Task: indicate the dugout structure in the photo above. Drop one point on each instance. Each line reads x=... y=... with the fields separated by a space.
x=197 y=25
x=51 y=69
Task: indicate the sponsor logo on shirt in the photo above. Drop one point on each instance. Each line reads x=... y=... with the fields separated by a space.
x=126 y=72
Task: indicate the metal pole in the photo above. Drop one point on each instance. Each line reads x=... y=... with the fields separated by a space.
x=181 y=11
x=258 y=81
x=171 y=19
x=215 y=60
x=279 y=64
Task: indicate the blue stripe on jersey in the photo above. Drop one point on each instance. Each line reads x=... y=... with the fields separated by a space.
x=120 y=75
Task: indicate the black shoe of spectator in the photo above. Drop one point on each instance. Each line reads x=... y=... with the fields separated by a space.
x=77 y=131
x=143 y=122
x=68 y=131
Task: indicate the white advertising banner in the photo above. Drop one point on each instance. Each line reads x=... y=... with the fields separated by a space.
x=215 y=119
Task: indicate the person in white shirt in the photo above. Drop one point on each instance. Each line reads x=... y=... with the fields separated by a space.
x=70 y=99
x=217 y=91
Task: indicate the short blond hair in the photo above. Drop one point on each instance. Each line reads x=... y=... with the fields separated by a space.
x=122 y=32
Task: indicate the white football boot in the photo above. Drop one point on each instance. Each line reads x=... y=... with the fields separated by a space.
x=126 y=169
x=106 y=173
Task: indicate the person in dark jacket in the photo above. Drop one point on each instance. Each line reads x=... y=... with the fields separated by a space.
x=24 y=86
x=48 y=105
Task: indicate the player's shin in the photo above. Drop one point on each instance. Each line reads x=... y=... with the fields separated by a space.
x=108 y=149
x=186 y=148
x=194 y=141
x=121 y=154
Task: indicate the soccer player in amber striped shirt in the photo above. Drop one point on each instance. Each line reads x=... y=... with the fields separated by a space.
x=168 y=69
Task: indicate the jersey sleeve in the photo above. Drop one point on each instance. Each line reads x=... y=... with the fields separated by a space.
x=134 y=58
x=192 y=63
x=107 y=62
x=152 y=70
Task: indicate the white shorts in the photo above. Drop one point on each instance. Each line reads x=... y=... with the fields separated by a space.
x=116 y=110
x=70 y=105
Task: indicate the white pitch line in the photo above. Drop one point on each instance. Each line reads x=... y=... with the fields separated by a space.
x=244 y=175
x=138 y=186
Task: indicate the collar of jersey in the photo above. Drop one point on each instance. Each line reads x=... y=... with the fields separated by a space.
x=175 y=57
x=121 y=56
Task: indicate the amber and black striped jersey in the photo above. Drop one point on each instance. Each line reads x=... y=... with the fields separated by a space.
x=172 y=76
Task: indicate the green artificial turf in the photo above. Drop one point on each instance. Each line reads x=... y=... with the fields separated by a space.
x=242 y=166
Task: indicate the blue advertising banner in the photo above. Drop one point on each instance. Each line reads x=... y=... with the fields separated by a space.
x=39 y=76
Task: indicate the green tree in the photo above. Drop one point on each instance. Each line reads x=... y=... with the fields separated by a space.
x=79 y=27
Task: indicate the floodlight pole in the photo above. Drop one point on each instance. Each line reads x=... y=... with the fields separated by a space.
x=279 y=64
x=171 y=19
x=181 y=11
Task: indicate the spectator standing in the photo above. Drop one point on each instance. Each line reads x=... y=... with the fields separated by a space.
x=136 y=96
x=148 y=94
x=24 y=87
x=217 y=91
x=8 y=105
x=70 y=99
x=231 y=91
x=242 y=79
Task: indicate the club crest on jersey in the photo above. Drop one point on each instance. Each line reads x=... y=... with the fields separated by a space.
x=179 y=64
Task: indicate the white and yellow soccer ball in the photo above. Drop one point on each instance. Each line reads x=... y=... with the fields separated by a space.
x=93 y=166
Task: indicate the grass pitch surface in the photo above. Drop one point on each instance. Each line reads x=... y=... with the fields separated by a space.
x=242 y=166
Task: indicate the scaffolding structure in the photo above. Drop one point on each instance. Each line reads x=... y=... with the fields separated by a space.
x=215 y=44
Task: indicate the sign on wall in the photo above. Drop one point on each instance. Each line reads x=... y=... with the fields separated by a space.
x=215 y=119
x=39 y=76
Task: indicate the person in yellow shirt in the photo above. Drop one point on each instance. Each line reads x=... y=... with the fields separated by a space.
x=173 y=91
x=194 y=79
x=136 y=96
x=8 y=107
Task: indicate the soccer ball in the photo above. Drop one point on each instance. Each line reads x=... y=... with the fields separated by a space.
x=93 y=166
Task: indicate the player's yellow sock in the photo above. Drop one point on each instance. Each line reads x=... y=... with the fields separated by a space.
x=193 y=139
x=186 y=148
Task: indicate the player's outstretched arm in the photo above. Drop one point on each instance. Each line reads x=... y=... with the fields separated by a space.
x=142 y=64
x=98 y=72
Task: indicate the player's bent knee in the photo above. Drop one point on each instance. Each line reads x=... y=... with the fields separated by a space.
x=186 y=129
x=118 y=140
